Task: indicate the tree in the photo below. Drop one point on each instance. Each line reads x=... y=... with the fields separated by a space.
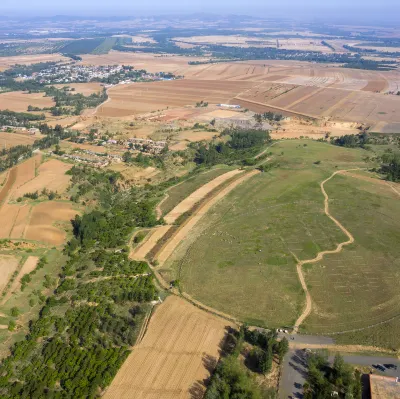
x=14 y=311
x=282 y=348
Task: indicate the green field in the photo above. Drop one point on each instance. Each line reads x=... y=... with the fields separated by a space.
x=240 y=258
x=178 y=193
x=360 y=286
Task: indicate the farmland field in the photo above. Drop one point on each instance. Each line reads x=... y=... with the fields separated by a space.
x=144 y=97
x=9 y=140
x=41 y=224
x=176 y=355
x=19 y=101
x=51 y=176
x=242 y=253
x=179 y=192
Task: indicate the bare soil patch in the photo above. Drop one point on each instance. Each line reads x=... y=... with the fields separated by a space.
x=44 y=215
x=179 y=351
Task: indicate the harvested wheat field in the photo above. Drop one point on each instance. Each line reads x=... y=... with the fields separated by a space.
x=26 y=171
x=198 y=195
x=19 y=101
x=8 y=140
x=83 y=88
x=8 y=265
x=44 y=215
x=51 y=175
x=174 y=358
x=7 y=62
x=144 y=97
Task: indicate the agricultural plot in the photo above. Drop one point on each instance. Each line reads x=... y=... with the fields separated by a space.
x=7 y=62
x=240 y=258
x=178 y=193
x=50 y=175
x=144 y=97
x=83 y=88
x=44 y=216
x=359 y=287
x=180 y=349
x=18 y=101
x=8 y=140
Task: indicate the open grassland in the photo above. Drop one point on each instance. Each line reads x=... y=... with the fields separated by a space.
x=180 y=349
x=359 y=287
x=18 y=101
x=240 y=258
x=178 y=193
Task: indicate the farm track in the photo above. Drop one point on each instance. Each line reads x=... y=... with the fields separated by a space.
x=320 y=255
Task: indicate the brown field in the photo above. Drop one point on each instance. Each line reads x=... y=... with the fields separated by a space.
x=8 y=140
x=51 y=175
x=83 y=88
x=8 y=265
x=18 y=101
x=181 y=347
x=44 y=215
x=26 y=171
x=144 y=97
x=6 y=62
x=29 y=221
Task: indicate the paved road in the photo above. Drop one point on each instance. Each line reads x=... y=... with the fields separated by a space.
x=295 y=370
x=307 y=339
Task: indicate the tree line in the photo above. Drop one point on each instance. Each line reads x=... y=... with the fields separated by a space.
x=86 y=326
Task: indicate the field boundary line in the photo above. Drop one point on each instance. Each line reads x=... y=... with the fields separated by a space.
x=321 y=254
x=278 y=108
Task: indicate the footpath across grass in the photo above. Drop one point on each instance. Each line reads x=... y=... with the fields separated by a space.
x=359 y=287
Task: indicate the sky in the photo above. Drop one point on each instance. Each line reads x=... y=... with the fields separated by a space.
x=356 y=9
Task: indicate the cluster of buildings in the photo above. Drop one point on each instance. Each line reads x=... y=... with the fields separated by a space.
x=20 y=129
x=69 y=73
x=146 y=145
x=95 y=159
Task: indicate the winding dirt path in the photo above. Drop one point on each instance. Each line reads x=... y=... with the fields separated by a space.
x=320 y=255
